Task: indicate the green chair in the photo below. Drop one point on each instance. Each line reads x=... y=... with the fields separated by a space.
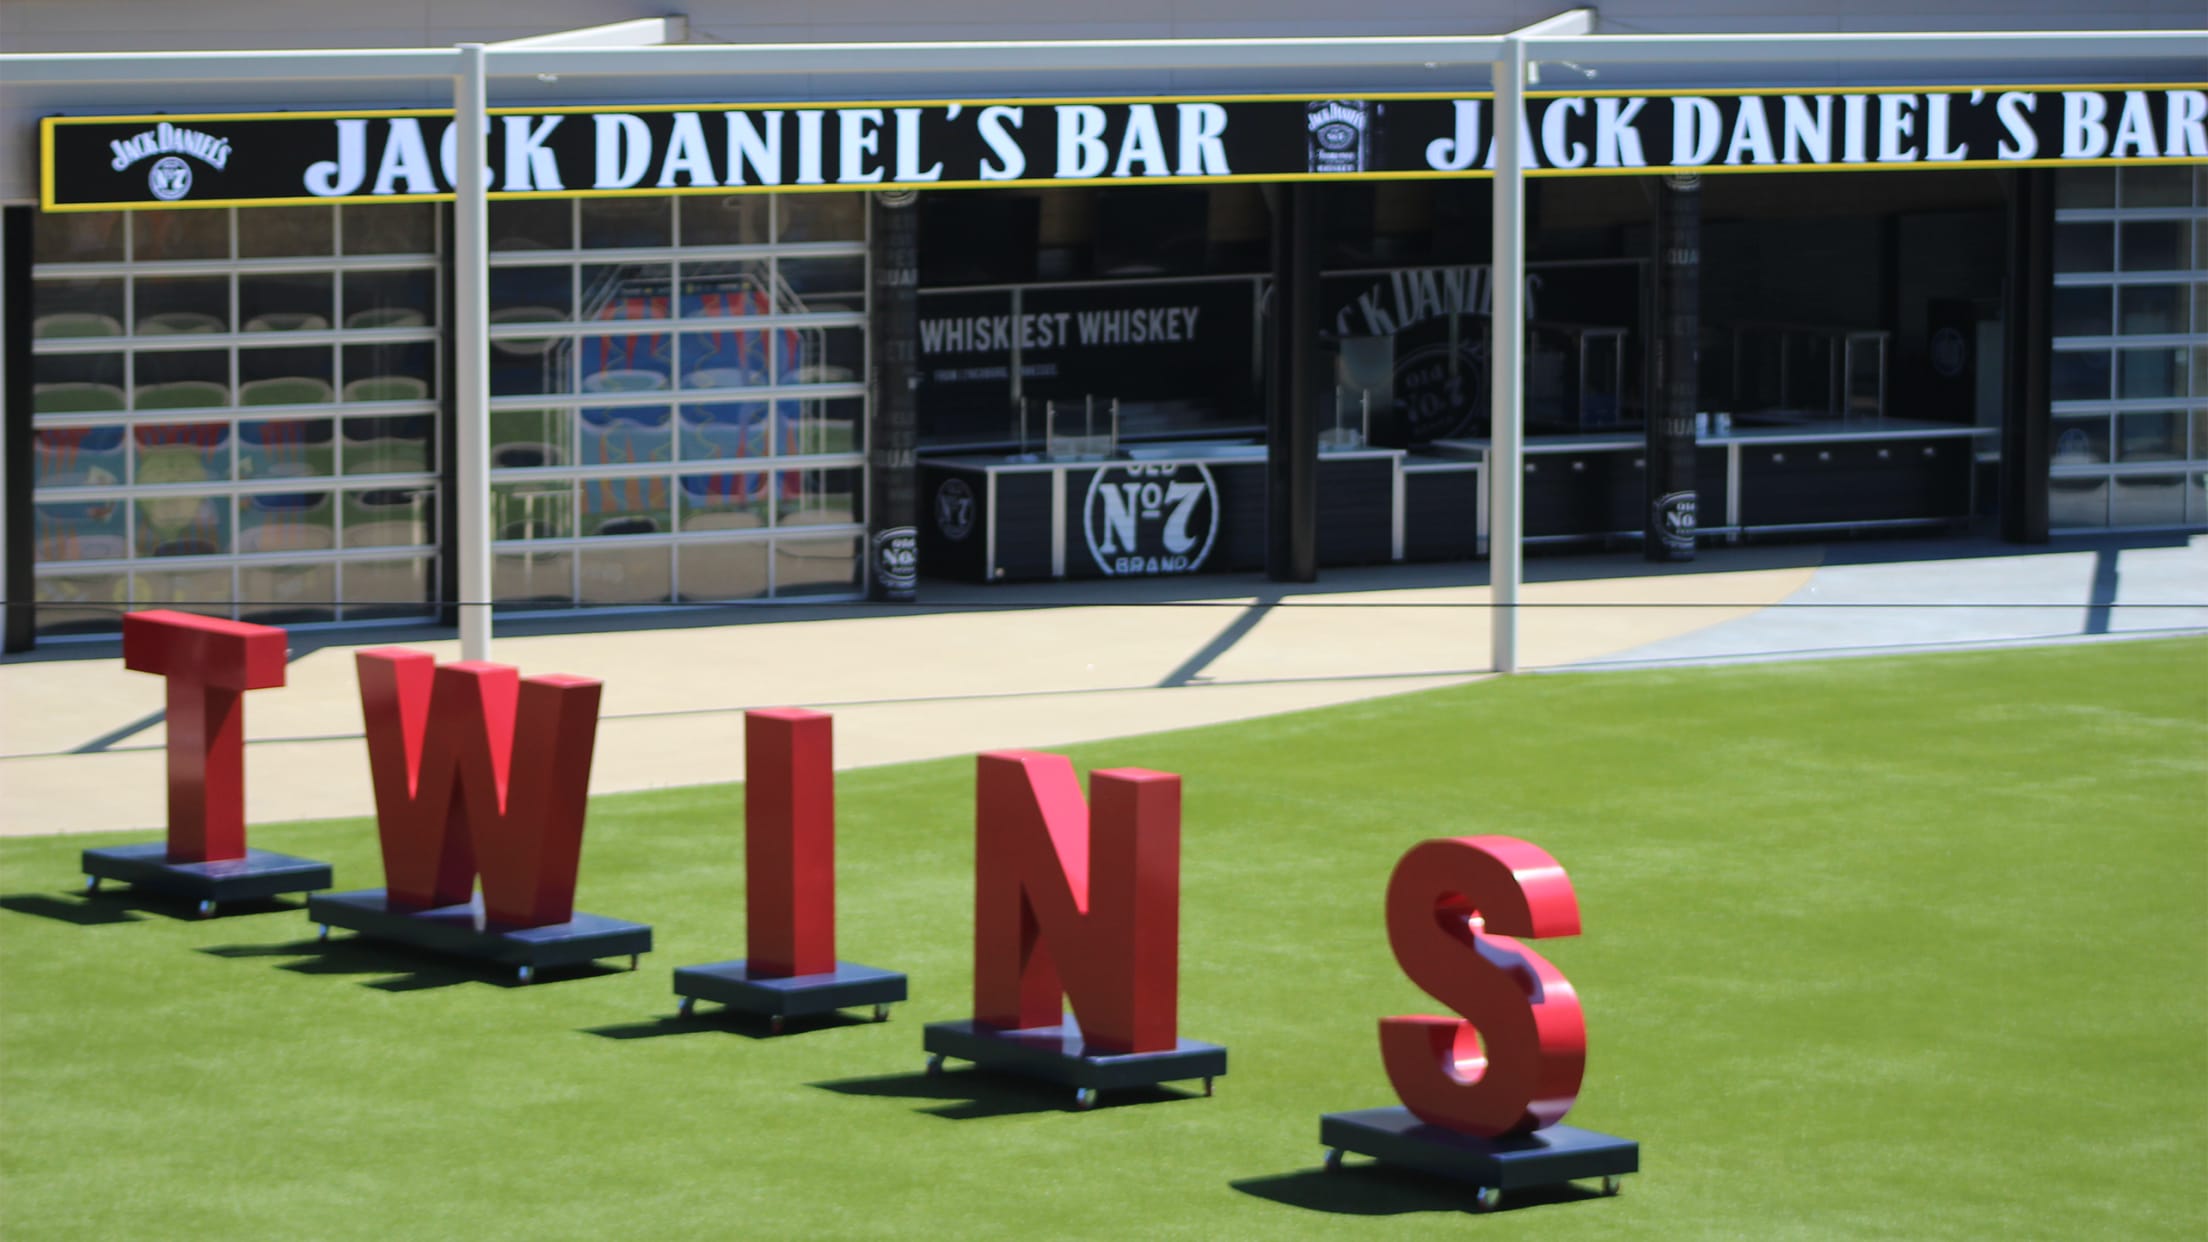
x=181 y=395
x=75 y=398
x=75 y=323
x=288 y=321
x=386 y=317
x=387 y=388
x=179 y=323
x=286 y=390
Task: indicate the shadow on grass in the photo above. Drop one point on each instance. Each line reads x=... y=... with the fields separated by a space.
x=725 y=1022
x=971 y=1094
x=408 y=969
x=109 y=906
x=1376 y=1190
x=94 y=911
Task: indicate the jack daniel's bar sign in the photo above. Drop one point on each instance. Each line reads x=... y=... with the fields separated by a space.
x=101 y=163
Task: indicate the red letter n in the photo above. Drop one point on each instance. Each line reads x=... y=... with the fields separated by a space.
x=209 y=664
x=1077 y=902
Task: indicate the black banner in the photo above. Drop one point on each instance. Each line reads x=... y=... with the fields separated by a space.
x=218 y=160
x=1187 y=343
x=1438 y=317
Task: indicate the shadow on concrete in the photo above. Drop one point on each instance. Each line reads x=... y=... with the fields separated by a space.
x=970 y=1094
x=1373 y=1190
x=1224 y=591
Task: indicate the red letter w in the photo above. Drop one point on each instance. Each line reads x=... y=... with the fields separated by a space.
x=478 y=770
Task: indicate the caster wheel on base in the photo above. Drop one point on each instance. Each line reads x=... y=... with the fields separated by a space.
x=775 y=1024
x=935 y=1063
x=1612 y=1184
x=881 y=1013
x=689 y=1006
x=1207 y=1088
x=1486 y=1198
x=324 y=934
x=1084 y=1098
x=206 y=909
x=632 y=961
x=91 y=884
x=1333 y=1159
x=526 y=974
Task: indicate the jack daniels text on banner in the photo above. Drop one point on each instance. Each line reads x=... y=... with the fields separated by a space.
x=182 y=161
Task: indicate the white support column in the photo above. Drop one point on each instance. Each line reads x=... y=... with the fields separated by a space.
x=470 y=370
x=1506 y=358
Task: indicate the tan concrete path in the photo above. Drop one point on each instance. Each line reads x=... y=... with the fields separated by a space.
x=80 y=739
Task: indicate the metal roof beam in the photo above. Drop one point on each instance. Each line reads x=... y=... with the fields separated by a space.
x=1956 y=47
x=644 y=32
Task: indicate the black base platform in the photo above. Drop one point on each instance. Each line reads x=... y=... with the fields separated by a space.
x=1543 y=1158
x=848 y=986
x=454 y=930
x=1058 y=1054
x=259 y=874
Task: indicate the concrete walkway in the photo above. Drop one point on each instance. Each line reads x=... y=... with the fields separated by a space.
x=982 y=668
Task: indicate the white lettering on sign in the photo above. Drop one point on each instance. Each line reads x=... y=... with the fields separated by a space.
x=1560 y=153
x=167 y=139
x=2188 y=121
x=624 y=150
x=1081 y=150
x=1694 y=130
x=2083 y=135
x=1617 y=143
x=406 y=158
x=908 y=146
x=760 y=149
x=858 y=135
x=686 y=154
x=344 y=174
x=2014 y=109
x=1203 y=140
x=2136 y=129
x=996 y=126
x=1751 y=135
x=1896 y=125
x=1458 y=151
x=529 y=165
x=709 y=147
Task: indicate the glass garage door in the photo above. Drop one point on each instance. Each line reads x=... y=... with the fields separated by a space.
x=234 y=413
x=2130 y=367
x=677 y=398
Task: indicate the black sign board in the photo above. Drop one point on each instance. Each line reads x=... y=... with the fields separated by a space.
x=93 y=163
x=1438 y=318
x=1186 y=342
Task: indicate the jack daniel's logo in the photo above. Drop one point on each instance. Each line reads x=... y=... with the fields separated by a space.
x=167 y=139
x=170 y=178
x=1337 y=129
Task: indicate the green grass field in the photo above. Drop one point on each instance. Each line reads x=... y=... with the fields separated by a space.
x=1905 y=947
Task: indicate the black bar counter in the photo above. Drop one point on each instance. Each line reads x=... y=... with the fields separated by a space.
x=1798 y=476
x=1145 y=511
x=1200 y=507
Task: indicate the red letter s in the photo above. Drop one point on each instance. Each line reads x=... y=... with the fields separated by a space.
x=1516 y=1065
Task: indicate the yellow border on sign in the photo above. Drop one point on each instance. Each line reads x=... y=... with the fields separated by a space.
x=48 y=126
x=1480 y=174
x=1383 y=97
